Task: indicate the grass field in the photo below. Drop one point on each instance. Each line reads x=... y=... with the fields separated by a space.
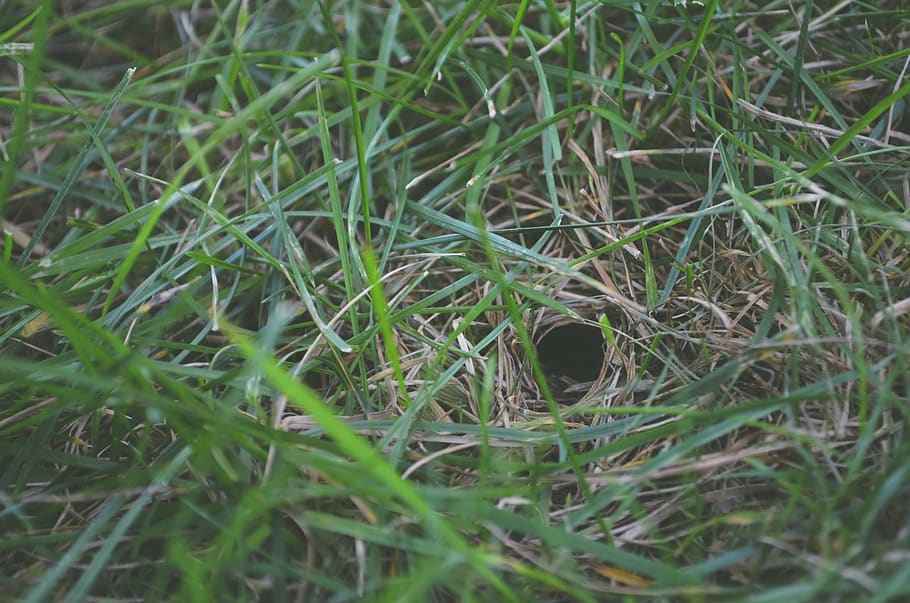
x=454 y=301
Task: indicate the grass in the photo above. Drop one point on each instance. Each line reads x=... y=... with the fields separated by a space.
x=274 y=276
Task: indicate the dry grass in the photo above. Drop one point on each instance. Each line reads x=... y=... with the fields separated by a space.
x=208 y=393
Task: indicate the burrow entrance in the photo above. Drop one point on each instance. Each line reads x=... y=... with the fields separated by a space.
x=572 y=350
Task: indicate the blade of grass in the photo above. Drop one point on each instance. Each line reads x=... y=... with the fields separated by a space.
x=381 y=307
x=17 y=143
x=103 y=556
x=79 y=165
x=362 y=452
x=235 y=124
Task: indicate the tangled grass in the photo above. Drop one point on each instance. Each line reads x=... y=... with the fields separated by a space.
x=278 y=278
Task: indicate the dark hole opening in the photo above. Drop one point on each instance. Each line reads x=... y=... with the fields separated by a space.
x=573 y=350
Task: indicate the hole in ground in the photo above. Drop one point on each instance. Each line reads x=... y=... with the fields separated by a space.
x=573 y=350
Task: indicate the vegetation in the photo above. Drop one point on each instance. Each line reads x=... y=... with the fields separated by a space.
x=465 y=300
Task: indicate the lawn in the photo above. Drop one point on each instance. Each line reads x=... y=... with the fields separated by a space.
x=447 y=301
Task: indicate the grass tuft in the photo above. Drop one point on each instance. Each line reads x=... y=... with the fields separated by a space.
x=277 y=280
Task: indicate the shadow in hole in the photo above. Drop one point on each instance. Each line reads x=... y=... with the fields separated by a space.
x=574 y=351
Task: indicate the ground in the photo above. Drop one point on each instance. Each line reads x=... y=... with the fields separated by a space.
x=468 y=300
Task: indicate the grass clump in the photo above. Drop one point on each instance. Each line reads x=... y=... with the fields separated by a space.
x=278 y=280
